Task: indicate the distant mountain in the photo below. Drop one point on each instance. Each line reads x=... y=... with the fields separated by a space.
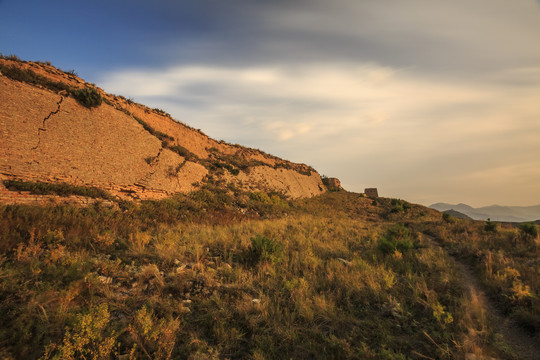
x=495 y=212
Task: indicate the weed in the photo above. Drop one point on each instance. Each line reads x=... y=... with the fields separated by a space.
x=262 y=249
x=490 y=226
x=448 y=218
x=61 y=189
x=88 y=97
x=89 y=338
x=528 y=229
x=30 y=77
x=182 y=151
x=396 y=240
x=399 y=205
x=154 y=338
x=161 y=136
x=150 y=159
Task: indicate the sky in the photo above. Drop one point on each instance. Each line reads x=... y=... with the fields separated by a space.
x=427 y=100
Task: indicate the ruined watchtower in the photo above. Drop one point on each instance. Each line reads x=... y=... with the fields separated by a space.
x=371 y=192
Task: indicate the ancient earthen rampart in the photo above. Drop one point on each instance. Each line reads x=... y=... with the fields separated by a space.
x=48 y=136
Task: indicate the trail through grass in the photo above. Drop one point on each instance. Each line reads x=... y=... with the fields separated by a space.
x=525 y=346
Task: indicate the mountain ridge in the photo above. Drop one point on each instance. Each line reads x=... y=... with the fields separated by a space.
x=493 y=212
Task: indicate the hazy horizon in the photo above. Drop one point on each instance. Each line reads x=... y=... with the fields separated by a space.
x=428 y=101
x=482 y=206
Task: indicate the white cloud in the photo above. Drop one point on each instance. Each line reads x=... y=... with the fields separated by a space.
x=339 y=113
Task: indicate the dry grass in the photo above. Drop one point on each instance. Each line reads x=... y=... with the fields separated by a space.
x=310 y=281
x=507 y=263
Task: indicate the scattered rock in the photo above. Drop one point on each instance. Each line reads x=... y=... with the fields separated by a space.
x=105 y=279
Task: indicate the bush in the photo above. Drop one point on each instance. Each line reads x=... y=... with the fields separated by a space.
x=185 y=153
x=60 y=189
x=90 y=337
x=490 y=226
x=528 y=229
x=399 y=205
x=88 y=97
x=396 y=238
x=30 y=77
x=161 y=136
x=448 y=218
x=262 y=249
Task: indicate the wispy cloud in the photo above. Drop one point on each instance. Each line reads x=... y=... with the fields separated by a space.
x=350 y=113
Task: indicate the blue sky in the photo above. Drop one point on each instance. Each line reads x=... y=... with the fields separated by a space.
x=427 y=100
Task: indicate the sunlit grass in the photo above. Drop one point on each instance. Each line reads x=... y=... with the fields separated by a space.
x=506 y=260
x=309 y=281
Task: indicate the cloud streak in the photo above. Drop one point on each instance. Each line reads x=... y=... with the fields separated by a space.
x=354 y=113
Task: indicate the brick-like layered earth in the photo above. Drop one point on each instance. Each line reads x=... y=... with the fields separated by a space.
x=47 y=136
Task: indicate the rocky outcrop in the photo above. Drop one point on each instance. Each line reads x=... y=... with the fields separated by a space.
x=123 y=147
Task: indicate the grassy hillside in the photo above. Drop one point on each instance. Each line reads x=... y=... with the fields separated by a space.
x=506 y=259
x=230 y=275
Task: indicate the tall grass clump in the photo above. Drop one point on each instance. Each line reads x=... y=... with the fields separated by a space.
x=88 y=97
x=262 y=249
x=30 y=77
x=396 y=239
x=61 y=189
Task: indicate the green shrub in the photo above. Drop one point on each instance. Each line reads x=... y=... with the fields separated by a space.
x=214 y=165
x=528 y=229
x=11 y=57
x=396 y=238
x=448 y=218
x=182 y=151
x=399 y=205
x=161 y=136
x=30 y=77
x=490 y=226
x=61 y=189
x=150 y=159
x=161 y=112
x=153 y=335
x=88 y=97
x=90 y=337
x=262 y=249
x=261 y=197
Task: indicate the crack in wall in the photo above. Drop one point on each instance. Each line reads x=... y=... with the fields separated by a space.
x=43 y=128
x=178 y=168
x=143 y=182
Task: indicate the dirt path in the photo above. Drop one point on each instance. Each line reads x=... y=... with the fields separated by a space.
x=525 y=346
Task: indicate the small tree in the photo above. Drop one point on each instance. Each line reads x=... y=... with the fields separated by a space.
x=490 y=226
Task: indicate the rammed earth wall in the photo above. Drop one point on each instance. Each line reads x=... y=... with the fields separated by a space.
x=48 y=136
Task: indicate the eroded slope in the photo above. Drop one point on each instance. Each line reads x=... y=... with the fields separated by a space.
x=121 y=146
